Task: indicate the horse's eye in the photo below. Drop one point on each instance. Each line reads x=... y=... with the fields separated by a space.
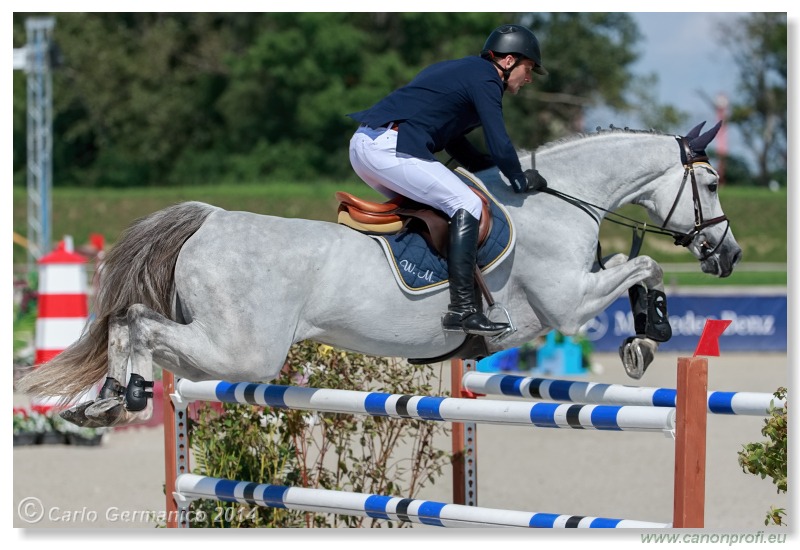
x=712 y=187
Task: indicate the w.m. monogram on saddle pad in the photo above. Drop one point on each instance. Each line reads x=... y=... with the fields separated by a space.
x=414 y=237
x=210 y=294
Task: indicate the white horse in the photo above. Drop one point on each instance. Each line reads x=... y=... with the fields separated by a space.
x=212 y=294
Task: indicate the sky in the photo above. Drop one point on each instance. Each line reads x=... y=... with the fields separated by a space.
x=683 y=49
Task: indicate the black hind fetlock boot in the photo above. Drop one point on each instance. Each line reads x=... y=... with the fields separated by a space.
x=463 y=314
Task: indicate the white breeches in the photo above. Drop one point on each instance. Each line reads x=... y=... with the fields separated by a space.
x=374 y=158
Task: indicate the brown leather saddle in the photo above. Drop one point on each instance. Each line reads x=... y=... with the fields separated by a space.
x=390 y=217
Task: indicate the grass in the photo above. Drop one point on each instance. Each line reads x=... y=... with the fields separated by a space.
x=743 y=278
x=81 y=212
x=758 y=218
x=24 y=329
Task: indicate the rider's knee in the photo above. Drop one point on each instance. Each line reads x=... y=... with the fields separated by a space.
x=472 y=204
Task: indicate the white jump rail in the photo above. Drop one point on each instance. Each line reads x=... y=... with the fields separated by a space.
x=449 y=409
x=719 y=402
x=687 y=423
x=190 y=486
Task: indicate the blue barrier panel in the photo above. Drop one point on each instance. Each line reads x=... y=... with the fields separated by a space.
x=550 y=359
x=758 y=322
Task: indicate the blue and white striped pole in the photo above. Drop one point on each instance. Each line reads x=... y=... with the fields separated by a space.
x=719 y=402
x=191 y=486
x=450 y=409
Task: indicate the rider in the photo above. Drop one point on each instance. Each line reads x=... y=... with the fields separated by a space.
x=393 y=149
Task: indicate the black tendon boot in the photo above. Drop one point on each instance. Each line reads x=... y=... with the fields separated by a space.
x=649 y=309
x=463 y=313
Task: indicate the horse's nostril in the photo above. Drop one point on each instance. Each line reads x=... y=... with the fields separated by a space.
x=737 y=257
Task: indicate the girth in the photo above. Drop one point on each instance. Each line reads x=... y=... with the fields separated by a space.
x=384 y=218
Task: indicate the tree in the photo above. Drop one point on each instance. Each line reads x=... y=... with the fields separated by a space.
x=589 y=56
x=758 y=43
x=186 y=98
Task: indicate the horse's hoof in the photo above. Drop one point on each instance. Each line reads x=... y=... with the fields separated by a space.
x=637 y=354
x=106 y=412
x=77 y=415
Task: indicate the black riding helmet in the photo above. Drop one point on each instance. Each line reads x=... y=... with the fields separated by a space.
x=515 y=40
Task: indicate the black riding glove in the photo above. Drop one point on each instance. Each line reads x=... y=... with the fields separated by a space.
x=535 y=181
x=528 y=181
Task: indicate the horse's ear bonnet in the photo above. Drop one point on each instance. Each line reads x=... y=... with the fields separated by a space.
x=694 y=132
x=697 y=142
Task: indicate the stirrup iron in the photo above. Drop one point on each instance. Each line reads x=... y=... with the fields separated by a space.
x=507 y=332
x=484 y=288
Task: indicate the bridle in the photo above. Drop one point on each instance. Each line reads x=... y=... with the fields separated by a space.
x=689 y=158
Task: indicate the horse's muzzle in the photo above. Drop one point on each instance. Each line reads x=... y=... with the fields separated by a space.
x=723 y=262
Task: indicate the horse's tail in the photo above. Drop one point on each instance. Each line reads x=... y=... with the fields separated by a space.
x=139 y=269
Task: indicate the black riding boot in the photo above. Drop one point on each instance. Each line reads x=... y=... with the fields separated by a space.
x=463 y=313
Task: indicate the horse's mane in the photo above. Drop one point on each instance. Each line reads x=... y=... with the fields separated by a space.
x=599 y=132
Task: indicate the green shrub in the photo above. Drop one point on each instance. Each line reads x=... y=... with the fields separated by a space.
x=364 y=454
x=769 y=458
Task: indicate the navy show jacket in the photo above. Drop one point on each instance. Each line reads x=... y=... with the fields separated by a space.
x=443 y=103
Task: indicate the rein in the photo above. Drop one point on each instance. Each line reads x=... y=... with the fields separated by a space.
x=688 y=158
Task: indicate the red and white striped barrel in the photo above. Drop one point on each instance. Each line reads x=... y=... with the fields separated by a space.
x=63 y=305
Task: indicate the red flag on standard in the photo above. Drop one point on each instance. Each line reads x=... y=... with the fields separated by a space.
x=709 y=340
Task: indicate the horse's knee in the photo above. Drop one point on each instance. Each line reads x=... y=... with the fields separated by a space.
x=615 y=260
x=652 y=276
